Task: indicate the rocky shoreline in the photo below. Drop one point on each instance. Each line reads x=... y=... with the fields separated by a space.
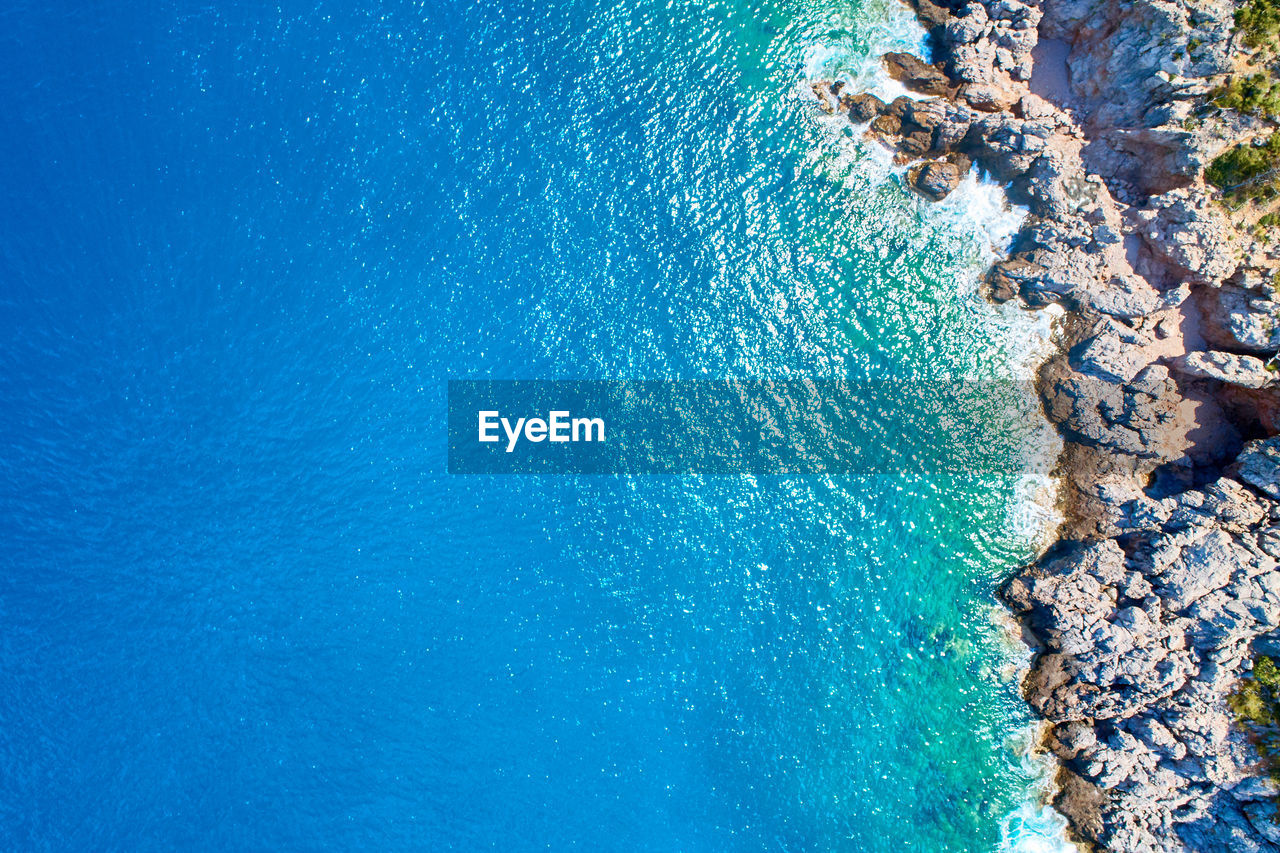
x=1165 y=581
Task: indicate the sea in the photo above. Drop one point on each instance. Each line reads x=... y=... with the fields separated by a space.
x=243 y=603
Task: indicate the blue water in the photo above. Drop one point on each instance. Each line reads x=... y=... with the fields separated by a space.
x=242 y=248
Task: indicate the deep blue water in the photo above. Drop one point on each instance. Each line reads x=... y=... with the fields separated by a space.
x=243 y=247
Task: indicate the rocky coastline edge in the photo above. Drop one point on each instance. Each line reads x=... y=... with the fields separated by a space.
x=1164 y=583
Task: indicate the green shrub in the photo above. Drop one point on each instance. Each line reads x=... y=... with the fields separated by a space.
x=1259 y=20
x=1256 y=703
x=1250 y=704
x=1267 y=674
x=1257 y=94
x=1242 y=172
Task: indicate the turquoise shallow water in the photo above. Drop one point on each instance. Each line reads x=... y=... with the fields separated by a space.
x=247 y=608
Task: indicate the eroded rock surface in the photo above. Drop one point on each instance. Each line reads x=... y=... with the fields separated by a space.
x=1141 y=641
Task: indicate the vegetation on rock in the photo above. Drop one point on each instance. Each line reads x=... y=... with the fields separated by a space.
x=1257 y=94
x=1256 y=704
x=1259 y=21
x=1248 y=171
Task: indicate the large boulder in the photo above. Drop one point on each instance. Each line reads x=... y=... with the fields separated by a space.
x=974 y=62
x=972 y=24
x=1245 y=320
x=1008 y=276
x=933 y=16
x=886 y=125
x=1244 y=370
x=935 y=179
x=1185 y=229
x=1113 y=352
x=988 y=97
x=926 y=114
x=914 y=145
x=1139 y=418
x=916 y=74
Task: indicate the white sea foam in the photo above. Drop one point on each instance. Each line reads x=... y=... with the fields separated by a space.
x=882 y=27
x=1035 y=829
x=827 y=62
x=980 y=207
x=979 y=211
x=1034 y=516
x=1035 y=826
